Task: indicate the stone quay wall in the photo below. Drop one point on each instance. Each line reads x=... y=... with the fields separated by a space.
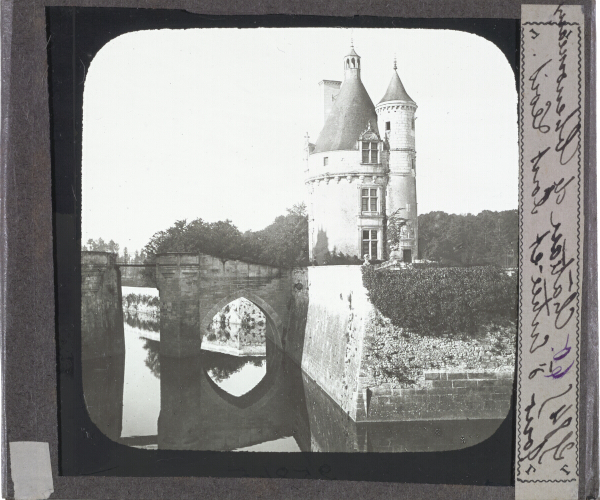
x=445 y=396
x=338 y=311
x=334 y=354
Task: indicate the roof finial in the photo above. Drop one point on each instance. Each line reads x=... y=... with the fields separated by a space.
x=352 y=42
x=395 y=65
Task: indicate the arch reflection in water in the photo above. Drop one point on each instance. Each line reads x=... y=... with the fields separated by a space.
x=234 y=374
x=213 y=418
x=139 y=398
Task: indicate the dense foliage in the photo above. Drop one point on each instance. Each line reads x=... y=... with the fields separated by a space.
x=138 y=298
x=437 y=301
x=470 y=240
x=283 y=243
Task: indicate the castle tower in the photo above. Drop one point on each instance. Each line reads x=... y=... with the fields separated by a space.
x=396 y=120
x=345 y=176
x=356 y=177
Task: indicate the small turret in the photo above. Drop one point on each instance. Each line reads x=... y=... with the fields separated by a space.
x=396 y=120
x=352 y=64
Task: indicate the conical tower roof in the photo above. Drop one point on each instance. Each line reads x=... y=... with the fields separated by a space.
x=350 y=115
x=395 y=90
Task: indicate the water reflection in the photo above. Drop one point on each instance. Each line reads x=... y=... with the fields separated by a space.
x=141 y=387
x=235 y=375
x=217 y=401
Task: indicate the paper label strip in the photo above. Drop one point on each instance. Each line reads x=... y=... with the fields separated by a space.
x=551 y=230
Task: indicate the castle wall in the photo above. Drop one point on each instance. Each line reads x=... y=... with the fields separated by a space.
x=334 y=208
x=400 y=115
x=334 y=353
x=334 y=203
x=401 y=194
x=447 y=395
x=333 y=342
x=340 y=162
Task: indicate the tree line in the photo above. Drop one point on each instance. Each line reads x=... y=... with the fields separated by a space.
x=283 y=243
x=124 y=257
x=488 y=238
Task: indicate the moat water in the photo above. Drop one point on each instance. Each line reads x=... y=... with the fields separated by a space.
x=218 y=401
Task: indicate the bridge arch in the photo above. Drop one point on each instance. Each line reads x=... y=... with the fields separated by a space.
x=273 y=319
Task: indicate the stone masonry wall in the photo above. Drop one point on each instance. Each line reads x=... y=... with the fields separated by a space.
x=178 y=283
x=445 y=396
x=268 y=287
x=193 y=288
x=334 y=356
x=333 y=342
x=298 y=312
x=102 y=331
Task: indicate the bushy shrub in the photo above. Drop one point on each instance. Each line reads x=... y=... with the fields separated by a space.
x=438 y=301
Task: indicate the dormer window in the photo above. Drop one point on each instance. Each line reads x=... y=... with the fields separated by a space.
x=370 y=152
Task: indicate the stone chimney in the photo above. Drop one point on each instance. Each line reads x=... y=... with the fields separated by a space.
x=330 y=89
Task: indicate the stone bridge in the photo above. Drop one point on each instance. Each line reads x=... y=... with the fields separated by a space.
x=137 y=275
x=192 y=289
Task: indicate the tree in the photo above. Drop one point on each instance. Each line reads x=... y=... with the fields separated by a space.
x=282 y=243
x=395 y=223
x=488 y=238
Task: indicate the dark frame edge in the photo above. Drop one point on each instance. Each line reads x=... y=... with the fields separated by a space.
x=6 y=17
x=32 y=15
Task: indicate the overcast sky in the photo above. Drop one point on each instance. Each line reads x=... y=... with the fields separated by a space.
x=210 y=123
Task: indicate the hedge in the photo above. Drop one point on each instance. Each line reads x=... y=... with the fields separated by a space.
x=438 y=301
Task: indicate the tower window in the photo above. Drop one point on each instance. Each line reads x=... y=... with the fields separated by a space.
x=413 y=122
x=369 y=152
x=325 y=161
x=369 y=243
x=388 y=126
x=369 y=200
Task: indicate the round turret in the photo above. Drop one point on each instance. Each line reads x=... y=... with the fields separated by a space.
x=396 y=120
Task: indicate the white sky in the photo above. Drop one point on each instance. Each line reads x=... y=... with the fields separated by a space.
x=210 y=123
